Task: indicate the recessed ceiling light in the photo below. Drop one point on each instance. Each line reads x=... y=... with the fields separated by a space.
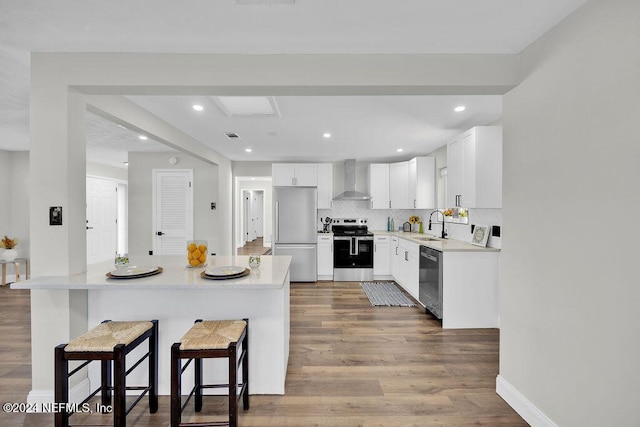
x=143 y=137
x=327 y=135
x=253 y=179
x=400 y=150
x=248 y=150
x=198 y=107
x=126 y=163
x=459 y=108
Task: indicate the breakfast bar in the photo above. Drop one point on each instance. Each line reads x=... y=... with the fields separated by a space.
x=176 y=297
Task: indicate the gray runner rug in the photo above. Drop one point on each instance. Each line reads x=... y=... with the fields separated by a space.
x=385 y=294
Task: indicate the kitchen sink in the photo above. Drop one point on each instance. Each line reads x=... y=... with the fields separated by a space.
x=428 y=239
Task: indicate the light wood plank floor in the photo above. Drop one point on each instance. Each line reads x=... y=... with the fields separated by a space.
x=351 y=364
x=254 y=247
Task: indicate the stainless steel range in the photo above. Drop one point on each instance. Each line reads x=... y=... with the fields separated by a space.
x=352 y=250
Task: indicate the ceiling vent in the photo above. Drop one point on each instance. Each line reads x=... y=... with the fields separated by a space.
x=350 y=192
x=232 y=135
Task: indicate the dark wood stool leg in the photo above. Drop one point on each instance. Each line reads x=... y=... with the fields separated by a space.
x=233 y=385
x=61 y=391
x=176 y=389
x=153 y=368
x=198 y=383
x=120 y=384
x=106 y=383
x=245 y=369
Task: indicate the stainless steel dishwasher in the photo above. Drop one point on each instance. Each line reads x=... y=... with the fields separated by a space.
x=430 y=292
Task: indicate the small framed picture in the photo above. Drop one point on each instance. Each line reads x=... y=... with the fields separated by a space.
x=480 y=235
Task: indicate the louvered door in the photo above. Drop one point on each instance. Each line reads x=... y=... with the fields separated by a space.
x=173 y=220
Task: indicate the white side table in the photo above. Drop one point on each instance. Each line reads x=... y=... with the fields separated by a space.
x=16 y=262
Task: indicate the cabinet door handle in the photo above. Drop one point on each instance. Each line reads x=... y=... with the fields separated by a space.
x=389 y=204
x=414 y=203
x=396 y=250
x=405 y=255
x=375 y=247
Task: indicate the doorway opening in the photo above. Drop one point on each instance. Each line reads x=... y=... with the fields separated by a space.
x=253 y=214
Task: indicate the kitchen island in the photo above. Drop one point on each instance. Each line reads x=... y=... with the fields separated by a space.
x=176 y=297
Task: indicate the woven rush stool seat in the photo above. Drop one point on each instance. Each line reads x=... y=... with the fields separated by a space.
x=109 y=343
x=107 y=335
x=205 y=340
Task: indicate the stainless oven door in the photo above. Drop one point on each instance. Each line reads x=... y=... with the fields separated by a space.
x=352 y=252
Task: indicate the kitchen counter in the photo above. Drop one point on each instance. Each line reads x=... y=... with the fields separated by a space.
x=63 y=307
x=442 y=245
x=271 y=274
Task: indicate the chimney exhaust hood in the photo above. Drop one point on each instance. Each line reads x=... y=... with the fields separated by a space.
x=350 y=192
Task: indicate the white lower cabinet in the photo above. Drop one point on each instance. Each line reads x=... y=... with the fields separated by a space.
x=394 y=256
x=409 y=266
x=325 y=257
x=469 y=282
x=470 y=290
x=381 y=258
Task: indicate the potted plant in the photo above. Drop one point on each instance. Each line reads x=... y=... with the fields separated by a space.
x=9 y=244
x=415 y=223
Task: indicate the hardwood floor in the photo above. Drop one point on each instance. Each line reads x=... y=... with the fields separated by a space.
x=350 y=364
x=254 y=247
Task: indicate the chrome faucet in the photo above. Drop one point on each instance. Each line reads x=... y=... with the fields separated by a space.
x=444 y=233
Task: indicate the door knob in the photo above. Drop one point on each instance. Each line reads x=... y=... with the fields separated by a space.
x=160 y=233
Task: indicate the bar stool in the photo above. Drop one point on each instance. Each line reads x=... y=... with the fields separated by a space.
x=211 y=339
x=109 y=343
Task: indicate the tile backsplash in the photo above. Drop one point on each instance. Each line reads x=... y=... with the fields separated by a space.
x=377 y=218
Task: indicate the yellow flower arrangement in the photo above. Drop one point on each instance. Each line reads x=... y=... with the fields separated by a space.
x=415 y=219
x=7 y=243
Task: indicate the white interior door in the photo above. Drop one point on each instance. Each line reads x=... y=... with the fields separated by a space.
x=259 y=214
x=101 y=219
x=173 y=213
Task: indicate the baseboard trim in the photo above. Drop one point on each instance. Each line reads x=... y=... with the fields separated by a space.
x=76 y=395
x=527 y=410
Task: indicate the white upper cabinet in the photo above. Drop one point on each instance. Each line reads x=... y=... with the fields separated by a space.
x=399 y=185
x=422 y=183
x=379 y=186
x=474 y=168
x=325 y=186
x=294 y=174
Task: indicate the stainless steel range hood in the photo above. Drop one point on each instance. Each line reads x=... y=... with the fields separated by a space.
x=350 y=192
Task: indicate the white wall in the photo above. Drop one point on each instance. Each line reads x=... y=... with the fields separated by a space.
x=205 y=189
x=5 y=193
x=570 y=330
x=14 y=210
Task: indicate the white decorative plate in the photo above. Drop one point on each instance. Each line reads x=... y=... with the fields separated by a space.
x=133 y=271
x=227 y=270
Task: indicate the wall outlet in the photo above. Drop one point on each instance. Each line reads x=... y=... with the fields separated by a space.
x=495 y=231
x=213 y=206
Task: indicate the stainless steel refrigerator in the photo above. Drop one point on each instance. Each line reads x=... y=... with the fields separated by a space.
x=295 y=234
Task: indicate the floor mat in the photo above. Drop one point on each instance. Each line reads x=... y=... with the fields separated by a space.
x=385 y=294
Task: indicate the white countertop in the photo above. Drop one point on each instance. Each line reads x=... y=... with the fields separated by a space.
x=271 y=274
x=443 y=245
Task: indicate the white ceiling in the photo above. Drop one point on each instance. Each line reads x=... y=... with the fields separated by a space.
x=306 y=26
